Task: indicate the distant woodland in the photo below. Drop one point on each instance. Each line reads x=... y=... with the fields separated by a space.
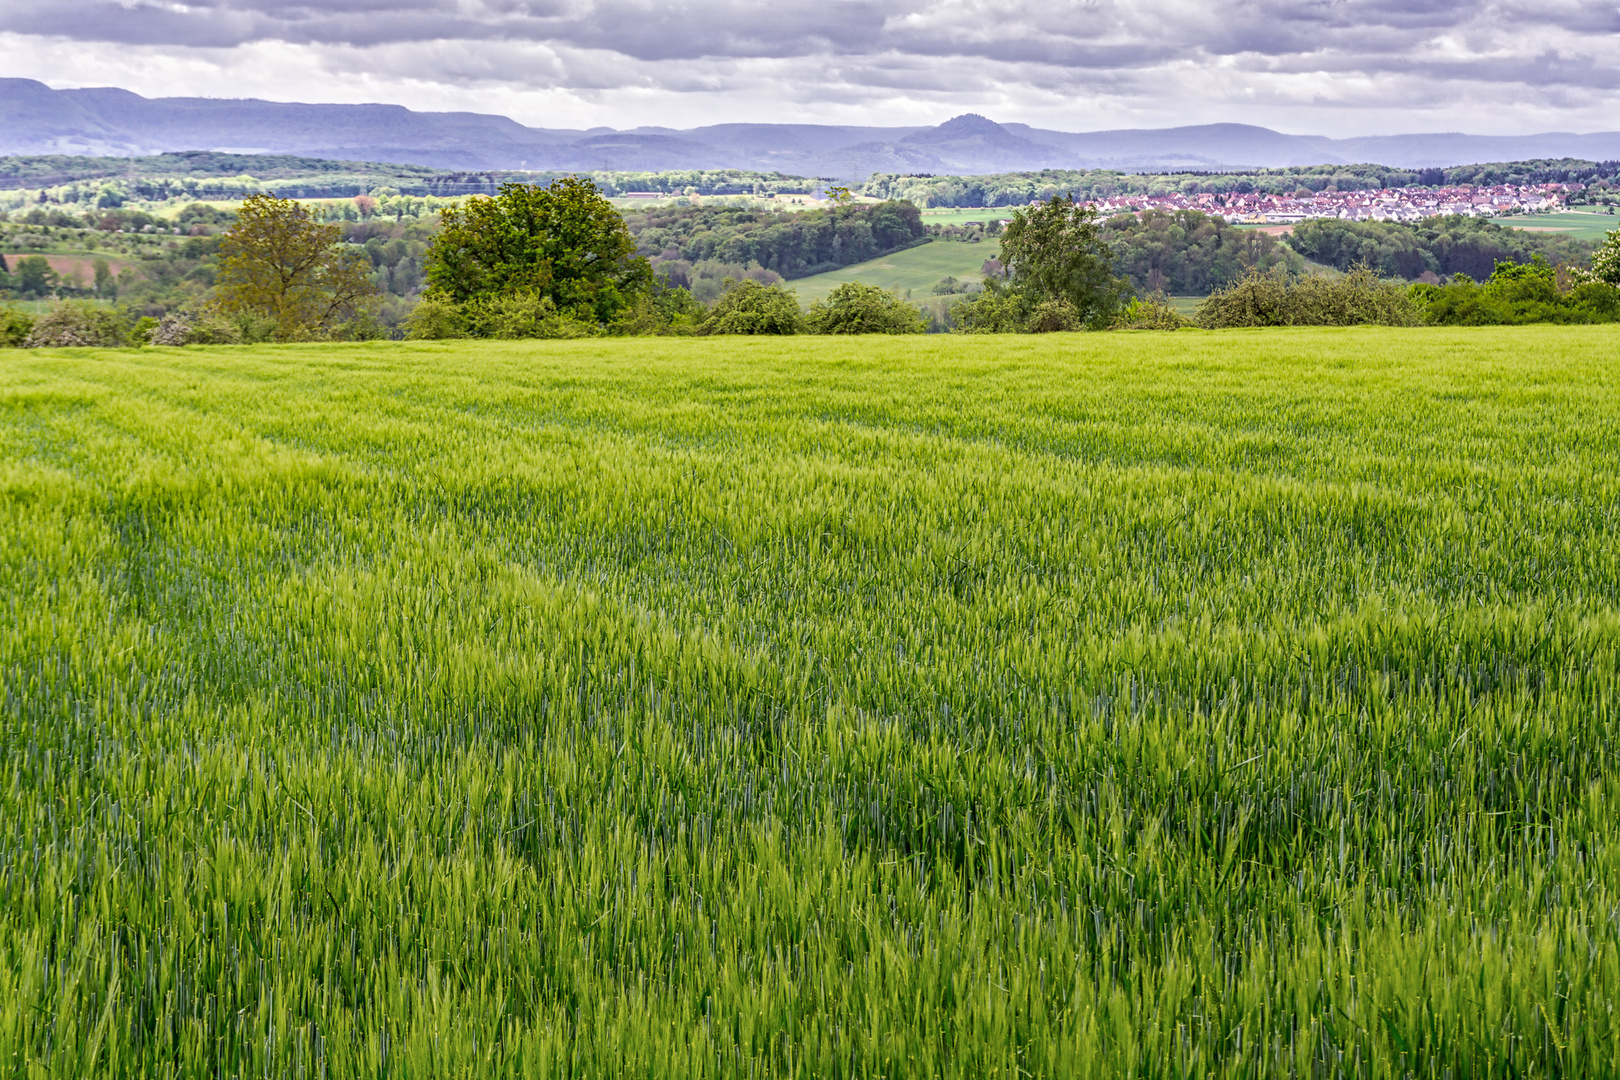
x=1020 y=189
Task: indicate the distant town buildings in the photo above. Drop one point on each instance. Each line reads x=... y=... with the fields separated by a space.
x=1388 y=204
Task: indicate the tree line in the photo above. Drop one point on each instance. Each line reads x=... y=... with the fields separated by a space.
x=790 y=245
x=1432 y=248
x=1024 y=188
x=86 y=183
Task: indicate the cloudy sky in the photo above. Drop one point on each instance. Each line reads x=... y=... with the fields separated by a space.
x=1331 y=67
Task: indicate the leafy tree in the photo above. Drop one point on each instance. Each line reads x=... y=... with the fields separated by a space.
x=1606 y=260
x=278 y=264
x=564 y=243
x=856 y=308
x=751 y=308
x=1055 y=251
x=105 y=285
x=34 y=277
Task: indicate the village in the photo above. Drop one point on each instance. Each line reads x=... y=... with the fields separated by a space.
x=1388 y=204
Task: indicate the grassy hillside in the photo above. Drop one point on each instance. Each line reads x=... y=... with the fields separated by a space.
x=1581 y=224
x=1141 y=704
x=963 y=216
x=917 y=269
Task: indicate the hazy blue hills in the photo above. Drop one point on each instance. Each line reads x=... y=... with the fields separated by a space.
x=34 y=119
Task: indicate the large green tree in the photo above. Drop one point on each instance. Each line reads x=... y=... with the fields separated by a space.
x=564 y=242
x=34 y=277
x=1055 y=251
x=280 y=265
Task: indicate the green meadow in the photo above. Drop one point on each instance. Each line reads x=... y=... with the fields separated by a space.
x=915 y=270
x=1581 y=224
x=1159 y=705
x=967 y=215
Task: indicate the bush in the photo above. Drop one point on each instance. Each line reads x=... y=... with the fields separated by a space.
x=76 y=323
x=14 y=327
x=1598 y=299
x=1053 y=316
x=436 y=318
x=747 y=307
x=855 y=308
x=1357 y=299
x=521 y=316
x=1516 y=294
x=509 y=317
x=1258 y=300
x=1152 y=313
x=664 y=310
x=176 y=329
x=996 y=310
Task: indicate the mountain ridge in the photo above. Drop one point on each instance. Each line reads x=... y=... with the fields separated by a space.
x=112 y=122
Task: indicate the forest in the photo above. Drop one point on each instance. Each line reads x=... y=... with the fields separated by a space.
x=679 y=240
x=1020 y=189
x=1434 y=248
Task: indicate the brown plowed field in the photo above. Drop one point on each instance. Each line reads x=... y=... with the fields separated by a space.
x=66 y=266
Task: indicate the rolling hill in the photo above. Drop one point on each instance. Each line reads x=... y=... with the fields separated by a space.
x=36 y=119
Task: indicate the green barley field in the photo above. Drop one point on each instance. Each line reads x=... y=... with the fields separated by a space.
x=1115 y=705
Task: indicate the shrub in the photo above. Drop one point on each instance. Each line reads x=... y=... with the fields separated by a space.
x=14 y=327
x=518 y=316
x=1598 y=299
x=663 y=310
x=1357 y=299
x=436 y=318
x=997 y=310
x=1152 y=313
x=747 y=307
x=855 y=308
x=178 y=329
x=1516 y=294
x=1053 y=316
x=76 y=323
x=1258 y=300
